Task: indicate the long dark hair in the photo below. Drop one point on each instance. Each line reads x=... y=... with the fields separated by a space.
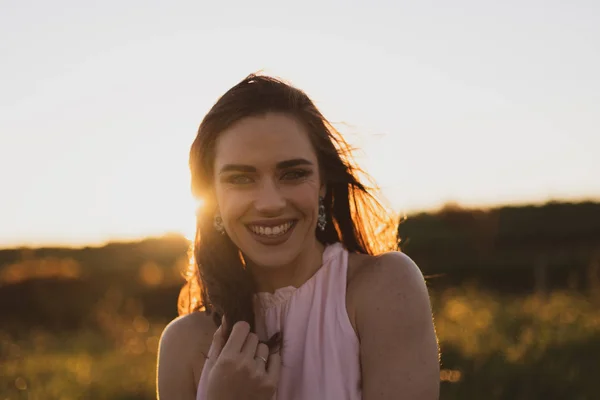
x=217 y=280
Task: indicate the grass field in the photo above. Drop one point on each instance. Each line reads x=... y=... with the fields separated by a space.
x=493 y=347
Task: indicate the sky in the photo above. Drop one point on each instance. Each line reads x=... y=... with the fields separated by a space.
x=479 y=103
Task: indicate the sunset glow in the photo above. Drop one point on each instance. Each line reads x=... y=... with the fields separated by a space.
x=100 y=105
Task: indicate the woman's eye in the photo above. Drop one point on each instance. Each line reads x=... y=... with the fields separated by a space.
x=239 y=179
x=298 y=174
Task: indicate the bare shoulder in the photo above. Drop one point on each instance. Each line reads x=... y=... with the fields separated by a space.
x=190 y=332
x=393 y=268
x=372 y=278
x=394 y=323
x=184 y=343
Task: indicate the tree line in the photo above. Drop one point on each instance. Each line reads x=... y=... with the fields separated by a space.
x=515 y=250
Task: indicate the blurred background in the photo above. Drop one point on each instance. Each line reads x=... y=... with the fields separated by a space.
x=480 y=122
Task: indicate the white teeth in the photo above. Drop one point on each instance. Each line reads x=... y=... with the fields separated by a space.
x=271 y=230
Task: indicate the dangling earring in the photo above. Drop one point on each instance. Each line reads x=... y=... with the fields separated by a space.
x=322 y=220
x=218 y=224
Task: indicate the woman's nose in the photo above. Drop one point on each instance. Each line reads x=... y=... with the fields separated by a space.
x=269 y=199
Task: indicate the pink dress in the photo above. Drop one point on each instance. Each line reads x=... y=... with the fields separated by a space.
x=320 y=350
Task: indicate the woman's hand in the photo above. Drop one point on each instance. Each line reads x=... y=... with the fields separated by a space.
x=238 y=369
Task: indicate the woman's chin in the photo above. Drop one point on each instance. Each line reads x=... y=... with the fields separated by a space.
x=273 y=258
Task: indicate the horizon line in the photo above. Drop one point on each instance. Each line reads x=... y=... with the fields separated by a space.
x=116 y=239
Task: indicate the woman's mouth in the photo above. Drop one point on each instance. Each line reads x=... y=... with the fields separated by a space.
x=271 y=231
x=272 y=234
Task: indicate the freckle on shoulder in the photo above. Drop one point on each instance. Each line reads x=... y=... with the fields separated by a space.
x=367 y=274
x=188 y=338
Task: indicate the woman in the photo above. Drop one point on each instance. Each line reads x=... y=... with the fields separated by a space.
x=294 y=266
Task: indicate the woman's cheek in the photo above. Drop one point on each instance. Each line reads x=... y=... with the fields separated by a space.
x=235 y=201
x=305 y=196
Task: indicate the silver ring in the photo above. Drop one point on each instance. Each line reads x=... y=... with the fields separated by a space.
x=261 y=358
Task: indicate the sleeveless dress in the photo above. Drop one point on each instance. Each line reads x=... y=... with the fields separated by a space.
x=320 y=350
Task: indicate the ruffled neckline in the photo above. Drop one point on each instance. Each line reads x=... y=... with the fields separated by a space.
x=266 y=300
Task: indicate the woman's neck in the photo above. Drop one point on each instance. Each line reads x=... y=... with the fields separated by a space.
x=295 y=274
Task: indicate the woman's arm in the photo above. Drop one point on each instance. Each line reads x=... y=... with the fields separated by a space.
x=182 y=349
x=398 y=346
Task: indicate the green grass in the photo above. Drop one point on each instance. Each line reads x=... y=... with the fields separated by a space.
x=89 y=365
x=493 y=347
x=534 y=347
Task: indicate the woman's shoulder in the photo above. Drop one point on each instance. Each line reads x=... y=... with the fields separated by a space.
x=371 y=277
x=195 y=319
x=183 y=346
x=195 y=327
x=393 y=265
x=392 y=314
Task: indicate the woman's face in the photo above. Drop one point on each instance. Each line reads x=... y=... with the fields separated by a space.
x=267 y=187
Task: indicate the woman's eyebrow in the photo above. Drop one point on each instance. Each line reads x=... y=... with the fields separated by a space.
x=293 y=163
x=236 y=168
x=248 y=168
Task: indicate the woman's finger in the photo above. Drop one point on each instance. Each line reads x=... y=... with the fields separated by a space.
x=274 y=367
x=217 y=344
x=224 y=324
x=261 y=357
x=249 y=348
x=237 y=338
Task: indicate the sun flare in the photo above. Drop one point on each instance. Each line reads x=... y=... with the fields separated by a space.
x=187 y=218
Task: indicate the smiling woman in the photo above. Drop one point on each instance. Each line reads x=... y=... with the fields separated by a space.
x=266 y=178
x=303 y=293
